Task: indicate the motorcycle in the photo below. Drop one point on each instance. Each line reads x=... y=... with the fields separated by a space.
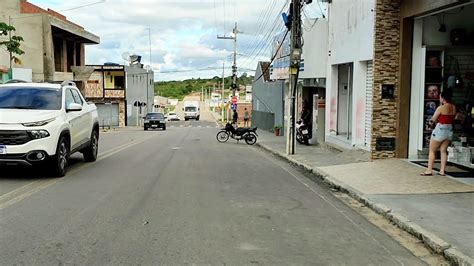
x=302 y=133
x=249 y=134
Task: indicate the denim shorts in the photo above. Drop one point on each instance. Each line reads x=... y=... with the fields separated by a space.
x=442 y=132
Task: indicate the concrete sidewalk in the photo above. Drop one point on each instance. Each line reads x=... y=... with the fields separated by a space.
x=438 y=210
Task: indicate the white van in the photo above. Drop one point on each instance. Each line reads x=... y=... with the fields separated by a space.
x=191 y=110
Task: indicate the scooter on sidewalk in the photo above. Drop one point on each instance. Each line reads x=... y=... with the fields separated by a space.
x=302 y=133
x=249 y=134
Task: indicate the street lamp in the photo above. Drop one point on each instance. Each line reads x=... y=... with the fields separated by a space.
x=148 y=69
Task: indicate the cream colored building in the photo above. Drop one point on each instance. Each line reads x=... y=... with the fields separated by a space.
x=53 y=45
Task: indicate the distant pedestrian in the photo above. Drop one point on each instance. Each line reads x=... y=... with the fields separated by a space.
x=246 y=118
x=235 y=118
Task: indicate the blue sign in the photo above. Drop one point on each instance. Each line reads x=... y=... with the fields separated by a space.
x=233 y=106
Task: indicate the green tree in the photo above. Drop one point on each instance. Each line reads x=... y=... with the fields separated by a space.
x=12 y=44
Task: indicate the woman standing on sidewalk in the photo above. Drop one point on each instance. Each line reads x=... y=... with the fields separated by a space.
x=443 y=132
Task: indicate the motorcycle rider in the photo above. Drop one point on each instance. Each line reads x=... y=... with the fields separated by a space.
x=307 y=117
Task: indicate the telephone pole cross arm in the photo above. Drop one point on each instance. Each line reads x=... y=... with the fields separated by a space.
x=235 y=32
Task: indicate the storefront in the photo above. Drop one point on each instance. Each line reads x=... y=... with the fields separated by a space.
x=442 y=57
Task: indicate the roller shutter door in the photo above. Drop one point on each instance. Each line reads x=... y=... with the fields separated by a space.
x=369 y=103
x=108 y=114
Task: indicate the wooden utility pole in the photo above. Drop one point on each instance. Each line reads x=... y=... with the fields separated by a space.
x=295 y=60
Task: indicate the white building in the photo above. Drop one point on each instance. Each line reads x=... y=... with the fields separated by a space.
x=350 y=73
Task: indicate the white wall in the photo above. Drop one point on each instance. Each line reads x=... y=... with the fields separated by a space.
x=351 y=40
x=417 y=92
x=25 y=74
x=137 y=82
x=351 y=31
x=315 y=49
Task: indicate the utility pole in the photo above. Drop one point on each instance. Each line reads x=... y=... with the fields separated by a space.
x=151 y=68
x=235 y=31
x=295 y=60
x=222 y=93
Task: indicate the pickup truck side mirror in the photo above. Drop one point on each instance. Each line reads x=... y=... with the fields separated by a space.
x=74 y=107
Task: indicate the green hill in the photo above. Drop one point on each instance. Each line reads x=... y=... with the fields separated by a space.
x=179 y=89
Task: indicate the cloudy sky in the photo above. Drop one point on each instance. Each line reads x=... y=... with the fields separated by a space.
x=183 y=32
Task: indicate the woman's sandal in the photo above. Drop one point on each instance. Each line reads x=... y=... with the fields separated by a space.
x=426 y=174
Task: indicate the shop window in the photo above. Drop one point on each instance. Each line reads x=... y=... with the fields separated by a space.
x=432 y=90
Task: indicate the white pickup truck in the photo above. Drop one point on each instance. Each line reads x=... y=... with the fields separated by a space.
x=43 y=123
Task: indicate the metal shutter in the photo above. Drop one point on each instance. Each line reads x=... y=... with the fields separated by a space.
x=369 y=103
x=108 y=114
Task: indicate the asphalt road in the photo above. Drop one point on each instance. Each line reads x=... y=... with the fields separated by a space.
x=179 y=197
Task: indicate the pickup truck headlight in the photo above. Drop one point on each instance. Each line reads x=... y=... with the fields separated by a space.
x=38 y=134
x=38 y=123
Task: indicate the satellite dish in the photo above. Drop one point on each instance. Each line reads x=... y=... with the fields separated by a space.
x=135 y=59
x=126 y=56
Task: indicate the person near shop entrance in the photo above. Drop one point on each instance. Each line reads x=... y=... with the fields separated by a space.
x=235 y=118
x=246 y=118
x=443 y=132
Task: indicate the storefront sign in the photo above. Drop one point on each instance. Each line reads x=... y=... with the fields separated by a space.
x=385 y=144
x=281 y=65
x=388 y=91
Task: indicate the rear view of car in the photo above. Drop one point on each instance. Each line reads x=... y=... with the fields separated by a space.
x=154 y=121
x=173 y=117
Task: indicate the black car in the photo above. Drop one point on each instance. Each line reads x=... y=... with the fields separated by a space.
x=154 y=120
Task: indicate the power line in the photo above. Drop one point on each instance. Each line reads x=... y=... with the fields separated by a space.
x=86 y=5
x=265 y=42
x=192 y=70
x=273 y=57
x=215 y=16
x=224 y=15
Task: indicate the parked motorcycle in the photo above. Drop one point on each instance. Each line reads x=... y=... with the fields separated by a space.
x=302 y=133
x=249 y=134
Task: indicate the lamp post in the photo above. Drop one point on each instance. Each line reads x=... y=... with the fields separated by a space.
x=148 y=69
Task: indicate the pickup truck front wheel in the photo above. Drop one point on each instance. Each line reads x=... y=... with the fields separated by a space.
x=90 y=153
x=59 y=161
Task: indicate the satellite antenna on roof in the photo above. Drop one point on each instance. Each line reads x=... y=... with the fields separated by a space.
x=135 y=59
x=126 y=57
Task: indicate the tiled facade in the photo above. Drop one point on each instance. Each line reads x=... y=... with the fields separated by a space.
x=386 y=69
x=94 y=91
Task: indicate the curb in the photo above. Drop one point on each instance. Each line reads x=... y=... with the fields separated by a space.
x=220 y=123
x=436 y=244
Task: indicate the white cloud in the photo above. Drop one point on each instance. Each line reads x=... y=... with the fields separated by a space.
x=183 y=32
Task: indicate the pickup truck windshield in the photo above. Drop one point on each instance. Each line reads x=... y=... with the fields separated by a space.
x=155 y=116
x=190 y=109
x=30 y=98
